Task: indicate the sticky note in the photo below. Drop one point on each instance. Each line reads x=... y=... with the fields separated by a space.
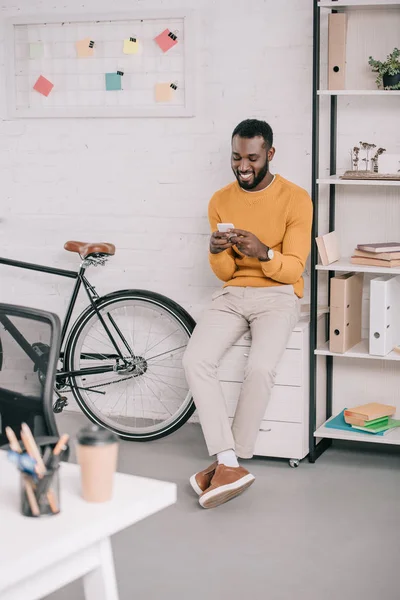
x=164 y=92
x=36 y=50
x=131 y=46
x=166 y=40
x=43 y=86
x=113 y=82
x=85 y=48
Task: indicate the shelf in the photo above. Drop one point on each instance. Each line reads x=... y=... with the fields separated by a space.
x=335 y=180
x=393 y=437
x=345 y=265
x=358 y=92
x=358 y=351
x=359 y=4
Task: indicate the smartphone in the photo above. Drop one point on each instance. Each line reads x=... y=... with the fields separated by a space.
x=223 y=227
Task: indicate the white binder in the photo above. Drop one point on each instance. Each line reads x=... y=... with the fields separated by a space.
x=384 y=321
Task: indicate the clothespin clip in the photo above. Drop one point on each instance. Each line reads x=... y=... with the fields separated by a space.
x=174 y=85
x=120 y=73
x=91 y=44
x=173 y=35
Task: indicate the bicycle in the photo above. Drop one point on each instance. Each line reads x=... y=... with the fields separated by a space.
x=122 y=357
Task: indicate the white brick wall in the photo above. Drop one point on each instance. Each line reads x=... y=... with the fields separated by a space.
x=144 y=184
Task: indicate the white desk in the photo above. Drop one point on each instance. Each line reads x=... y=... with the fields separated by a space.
x=40 y=555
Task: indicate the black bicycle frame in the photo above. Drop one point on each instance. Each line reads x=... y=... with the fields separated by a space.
x=92 y=294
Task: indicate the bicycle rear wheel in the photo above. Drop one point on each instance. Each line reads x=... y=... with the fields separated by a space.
x=143 y=396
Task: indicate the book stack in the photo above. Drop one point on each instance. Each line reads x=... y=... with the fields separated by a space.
x=385 y=254
x=371 y=418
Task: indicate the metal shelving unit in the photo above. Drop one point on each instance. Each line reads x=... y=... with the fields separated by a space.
x=335 y=180
x=320 y=439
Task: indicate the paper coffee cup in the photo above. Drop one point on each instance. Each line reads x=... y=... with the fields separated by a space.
x=97 y=453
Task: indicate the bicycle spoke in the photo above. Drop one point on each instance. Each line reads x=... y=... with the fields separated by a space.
x=167 y=352
x=96 y=351
x=119 y=397
x=158 y=398
x=148 y=337
x=167 y=384
x=131 y=335
x=160 y=342
x=141 y=399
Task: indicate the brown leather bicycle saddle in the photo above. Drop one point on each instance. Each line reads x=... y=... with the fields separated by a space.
x=85 y=249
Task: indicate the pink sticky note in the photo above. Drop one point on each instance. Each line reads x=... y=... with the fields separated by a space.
x=43 y=86
x=166 y=40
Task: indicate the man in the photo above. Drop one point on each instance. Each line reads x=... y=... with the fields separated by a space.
x=261 y=259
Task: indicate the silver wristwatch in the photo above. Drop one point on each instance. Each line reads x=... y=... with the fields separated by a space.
x=270 y=255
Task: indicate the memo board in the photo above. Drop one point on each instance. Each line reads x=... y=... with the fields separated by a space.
x=101 y=65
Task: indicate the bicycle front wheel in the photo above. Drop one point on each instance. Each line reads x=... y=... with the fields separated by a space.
x=127 y=364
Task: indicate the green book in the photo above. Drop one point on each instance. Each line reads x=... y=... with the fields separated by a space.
x=379 y=427
x=380 y=421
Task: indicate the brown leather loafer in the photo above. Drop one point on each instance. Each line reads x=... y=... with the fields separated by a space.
x=201 y=480
x=227 y=483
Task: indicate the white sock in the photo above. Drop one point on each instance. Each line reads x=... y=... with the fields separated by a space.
x=227 y=458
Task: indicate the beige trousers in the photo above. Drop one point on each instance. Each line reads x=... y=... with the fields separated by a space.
x=271 y=314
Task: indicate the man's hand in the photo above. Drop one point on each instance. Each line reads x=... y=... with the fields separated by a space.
x=219 y=242
x=249 y=244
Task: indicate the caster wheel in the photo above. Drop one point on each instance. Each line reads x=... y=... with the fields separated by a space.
x=294 y=462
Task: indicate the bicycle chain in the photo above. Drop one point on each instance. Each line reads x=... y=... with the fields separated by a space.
x=92 y=387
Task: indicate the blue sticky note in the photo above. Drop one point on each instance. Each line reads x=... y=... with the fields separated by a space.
x=113 y=82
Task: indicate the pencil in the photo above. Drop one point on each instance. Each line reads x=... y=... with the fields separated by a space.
x=61 y=444
x=12 y=439
x=32 y=449
x=30 y=494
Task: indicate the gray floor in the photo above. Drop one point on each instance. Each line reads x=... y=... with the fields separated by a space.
x=329 y=530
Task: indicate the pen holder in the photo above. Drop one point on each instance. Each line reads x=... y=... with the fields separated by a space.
x=40 y=497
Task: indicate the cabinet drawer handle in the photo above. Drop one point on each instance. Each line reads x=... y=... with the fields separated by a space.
x=266 y=429
x=245 y=355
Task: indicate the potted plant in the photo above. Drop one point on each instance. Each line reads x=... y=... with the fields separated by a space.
x=388 y=71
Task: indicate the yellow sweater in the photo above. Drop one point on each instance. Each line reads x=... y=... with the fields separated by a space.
x=281 y=217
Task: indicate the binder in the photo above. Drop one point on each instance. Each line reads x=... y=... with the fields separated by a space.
x=337 y=29
x=384 y=321
x=345 y=311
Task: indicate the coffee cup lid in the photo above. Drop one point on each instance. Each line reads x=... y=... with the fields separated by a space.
x=94 y=435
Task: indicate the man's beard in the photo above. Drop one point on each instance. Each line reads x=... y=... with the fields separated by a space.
x=256 y=181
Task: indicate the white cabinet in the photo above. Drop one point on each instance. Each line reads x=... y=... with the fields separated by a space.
x=284 y=430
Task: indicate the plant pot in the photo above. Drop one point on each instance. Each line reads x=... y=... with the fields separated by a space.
x=391 y=80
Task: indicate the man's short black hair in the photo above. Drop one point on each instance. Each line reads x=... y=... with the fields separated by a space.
x=253 y=127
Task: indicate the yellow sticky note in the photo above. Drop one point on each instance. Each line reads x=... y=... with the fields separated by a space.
x=164 y=92
x=131 y=46
x=85 y=48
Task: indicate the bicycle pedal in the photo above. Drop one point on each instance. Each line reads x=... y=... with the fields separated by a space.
x=60 y=404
